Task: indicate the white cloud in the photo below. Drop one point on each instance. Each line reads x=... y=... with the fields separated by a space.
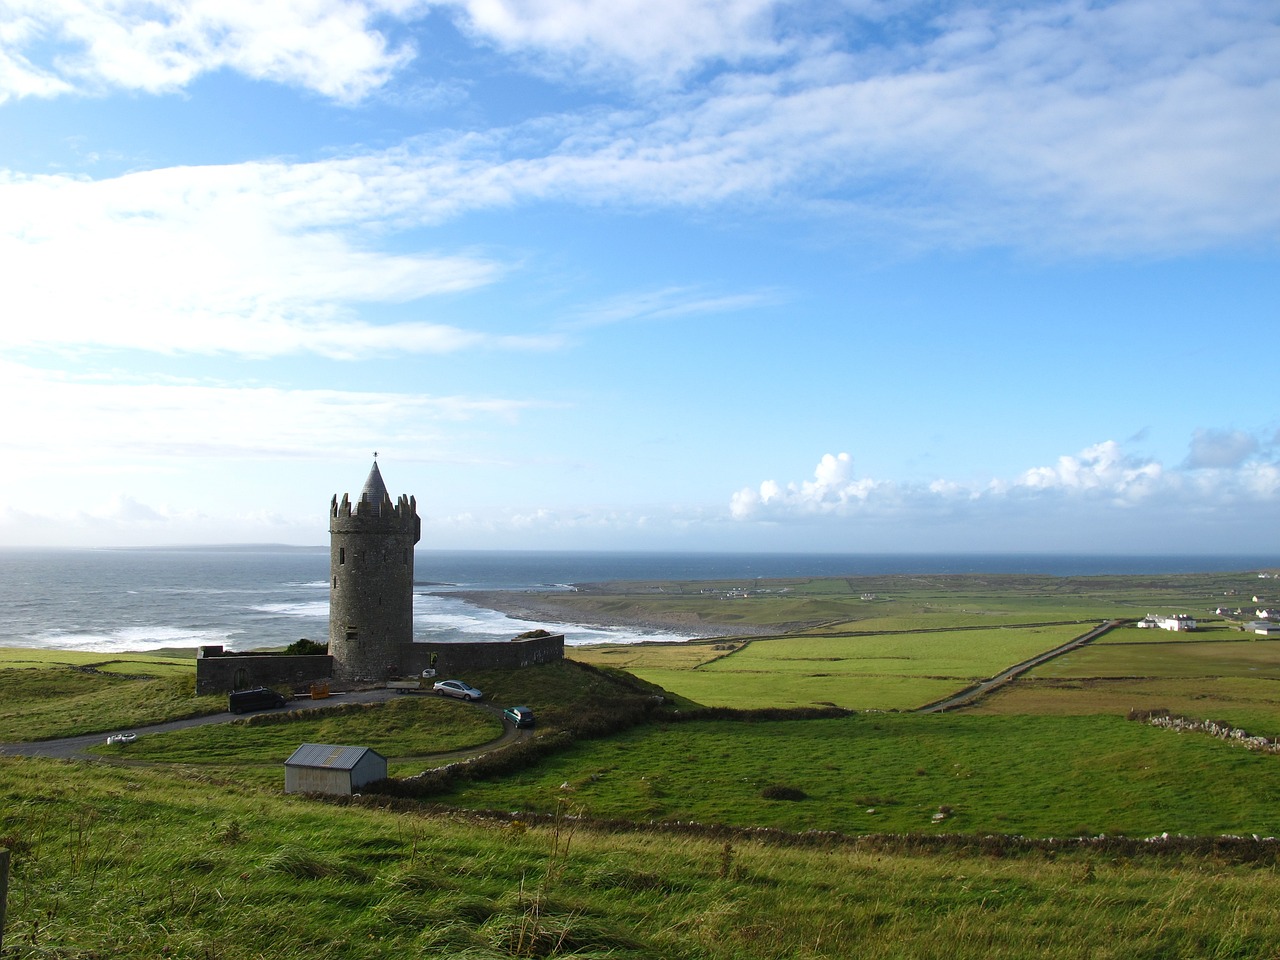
x=257 y=259
x=1117 y=128
x=652 y=40
x=159 y=46
x=833 y=490
x=1123 y=128
x=98 y=422
x=1102 y=468
x=667 y=304
x=1100 y=479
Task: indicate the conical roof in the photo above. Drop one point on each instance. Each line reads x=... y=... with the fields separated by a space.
x=375 y=491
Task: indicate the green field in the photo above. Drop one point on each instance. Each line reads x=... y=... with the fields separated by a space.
x=890 y=773
x=406 y=730
x=169 y=862
x=879 y=833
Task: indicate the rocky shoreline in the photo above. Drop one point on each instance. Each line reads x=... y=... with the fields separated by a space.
x=560 y=608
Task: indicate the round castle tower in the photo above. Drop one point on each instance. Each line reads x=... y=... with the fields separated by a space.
x=371 y=580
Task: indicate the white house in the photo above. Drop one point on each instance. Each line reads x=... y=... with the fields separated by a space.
x=325 y=768
x=1179 y=622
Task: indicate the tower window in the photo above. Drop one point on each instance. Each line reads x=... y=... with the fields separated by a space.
x=335 y=583
x=342 y=555
x=352 y=633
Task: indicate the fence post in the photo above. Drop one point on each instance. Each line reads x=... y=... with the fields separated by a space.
x=4 y=890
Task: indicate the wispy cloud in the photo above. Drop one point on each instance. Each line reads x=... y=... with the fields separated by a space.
x=50 y=47
x=1124 y=128
x=654 y=42
x=257 y=259
x=101 y=420
x=669 y=303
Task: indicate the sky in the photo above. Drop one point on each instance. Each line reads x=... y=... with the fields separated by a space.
x=855 y=276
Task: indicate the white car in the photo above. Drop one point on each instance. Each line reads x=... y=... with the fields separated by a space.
x=456 y=688
x=121 y=738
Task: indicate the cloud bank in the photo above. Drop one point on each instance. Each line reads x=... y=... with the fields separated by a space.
x=1116 y=128
x=1099 y=484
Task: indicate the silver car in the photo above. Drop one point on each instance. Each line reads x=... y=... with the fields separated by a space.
x=456 y=688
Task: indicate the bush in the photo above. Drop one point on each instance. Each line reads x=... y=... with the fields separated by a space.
x=779 y=792
x=306 y=648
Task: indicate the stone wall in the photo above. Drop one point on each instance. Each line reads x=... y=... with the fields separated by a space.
x=219 y=672
x=452 y=659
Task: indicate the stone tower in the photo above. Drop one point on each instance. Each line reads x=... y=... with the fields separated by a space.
x=371 y=580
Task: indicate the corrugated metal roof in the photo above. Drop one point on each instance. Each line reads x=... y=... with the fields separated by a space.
x=327 y=755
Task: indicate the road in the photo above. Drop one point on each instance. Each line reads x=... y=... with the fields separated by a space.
x=970 y=695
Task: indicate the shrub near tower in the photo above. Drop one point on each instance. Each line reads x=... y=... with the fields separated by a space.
x=371 y=581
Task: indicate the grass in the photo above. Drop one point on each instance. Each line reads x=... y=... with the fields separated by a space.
x=133 y=664
x=887 y=672
x=183 y=845
x=63 y=701
x=406 y=730
x=874 y=773
x=144 y=863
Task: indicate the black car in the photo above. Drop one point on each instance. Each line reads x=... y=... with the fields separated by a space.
x=259 y=698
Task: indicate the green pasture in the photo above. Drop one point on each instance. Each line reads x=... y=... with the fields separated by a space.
x=908 y=602
x=1175 y=659
x=963 y=654
x=1249 y=703
x=1038 y=776
x=408 y=731
x=39 y=703
x=135 y=863
x=669 y=656
x=755 y=690
x=887 y=671
x=1207 y=630
x=134 y=664
x=1235 y=680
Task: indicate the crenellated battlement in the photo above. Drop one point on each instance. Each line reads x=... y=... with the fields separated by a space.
x=367 y=515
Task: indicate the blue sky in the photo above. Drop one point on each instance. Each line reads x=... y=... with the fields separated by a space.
x=850 y=275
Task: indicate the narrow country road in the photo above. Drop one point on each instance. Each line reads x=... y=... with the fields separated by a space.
x=971 y=695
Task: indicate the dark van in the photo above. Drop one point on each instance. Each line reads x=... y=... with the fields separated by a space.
x=259 y=698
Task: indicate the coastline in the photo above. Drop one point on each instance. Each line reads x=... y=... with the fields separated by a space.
x=558 y=608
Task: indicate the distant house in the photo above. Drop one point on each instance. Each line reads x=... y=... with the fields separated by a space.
x=1179 y=622
x=326 y=768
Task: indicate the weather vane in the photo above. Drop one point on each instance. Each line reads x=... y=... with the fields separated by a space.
x=375 y=454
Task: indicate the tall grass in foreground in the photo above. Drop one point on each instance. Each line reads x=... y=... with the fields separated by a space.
x=135 y=863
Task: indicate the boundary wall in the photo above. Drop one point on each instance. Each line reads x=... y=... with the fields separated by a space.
x=220 y=671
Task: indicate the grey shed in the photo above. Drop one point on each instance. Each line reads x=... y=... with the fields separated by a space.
x=326 y=768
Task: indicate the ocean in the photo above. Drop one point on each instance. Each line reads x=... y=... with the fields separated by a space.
x=113 y=601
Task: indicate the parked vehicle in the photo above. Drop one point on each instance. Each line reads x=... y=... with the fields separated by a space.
x=121 y=738
x=456 y=688
x=520 y=716
x=259 y=698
